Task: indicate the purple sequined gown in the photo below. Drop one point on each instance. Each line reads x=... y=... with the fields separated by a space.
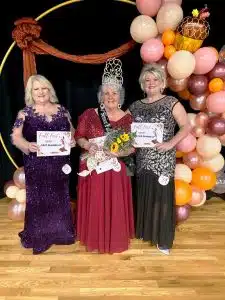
x=48 y=217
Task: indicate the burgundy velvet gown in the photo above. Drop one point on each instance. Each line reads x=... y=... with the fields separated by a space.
x=105 y=209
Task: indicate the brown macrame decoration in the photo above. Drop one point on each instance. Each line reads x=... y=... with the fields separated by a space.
x=26 y=34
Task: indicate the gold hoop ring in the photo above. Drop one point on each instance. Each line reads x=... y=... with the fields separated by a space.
x=45 y=13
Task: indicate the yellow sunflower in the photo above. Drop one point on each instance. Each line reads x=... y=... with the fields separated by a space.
x=114 y=147
x=118 y=140
x=125 y=137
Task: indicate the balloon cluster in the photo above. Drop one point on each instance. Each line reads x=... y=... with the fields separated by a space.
x=15 y=190
x=197 y=74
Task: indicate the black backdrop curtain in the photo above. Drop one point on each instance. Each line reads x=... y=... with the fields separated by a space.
x=88 y=27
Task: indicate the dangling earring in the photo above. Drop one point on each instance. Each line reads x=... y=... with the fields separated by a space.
x=102 y=105
x=161 y=90
x=144 y=94
x=119 y=106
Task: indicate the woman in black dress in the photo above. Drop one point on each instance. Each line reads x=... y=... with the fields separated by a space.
x=155 y=166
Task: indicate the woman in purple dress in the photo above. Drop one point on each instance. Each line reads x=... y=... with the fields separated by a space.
x=48 y=216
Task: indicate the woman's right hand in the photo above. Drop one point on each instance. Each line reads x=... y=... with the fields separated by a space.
x=92 y=148
x=32 y=147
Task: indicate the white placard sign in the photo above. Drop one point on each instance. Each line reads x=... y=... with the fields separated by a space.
x=99 y=141
x=147 y=134
x=53 y=143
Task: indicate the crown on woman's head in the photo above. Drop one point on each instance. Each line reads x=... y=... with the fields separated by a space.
x=112 y=74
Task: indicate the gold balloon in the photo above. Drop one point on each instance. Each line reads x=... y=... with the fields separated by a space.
x=185 y=43
x=202 y=119
x=198 y=131
x=177 y=85
x=198 y=102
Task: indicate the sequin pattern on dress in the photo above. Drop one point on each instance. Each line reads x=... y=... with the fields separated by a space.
x=160 y=111
x=48 y=217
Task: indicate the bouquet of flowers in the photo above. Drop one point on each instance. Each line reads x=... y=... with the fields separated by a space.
x=118 y=141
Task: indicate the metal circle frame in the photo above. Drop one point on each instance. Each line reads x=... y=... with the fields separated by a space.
x=44 y=14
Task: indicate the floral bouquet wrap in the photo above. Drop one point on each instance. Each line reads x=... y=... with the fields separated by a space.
x=117 y=145
x=120 y=143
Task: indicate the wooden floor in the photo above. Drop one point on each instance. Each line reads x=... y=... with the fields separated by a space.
x=194 y=270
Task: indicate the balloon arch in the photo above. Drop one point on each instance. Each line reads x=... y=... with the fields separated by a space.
x=196 y=73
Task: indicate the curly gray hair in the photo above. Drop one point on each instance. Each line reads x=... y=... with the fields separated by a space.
x=118 y=88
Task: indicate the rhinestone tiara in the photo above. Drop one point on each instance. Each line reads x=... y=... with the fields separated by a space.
x=112 y=74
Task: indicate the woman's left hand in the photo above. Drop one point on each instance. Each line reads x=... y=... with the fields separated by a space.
x=72 y=143
x=166 y=146
x=123 y=153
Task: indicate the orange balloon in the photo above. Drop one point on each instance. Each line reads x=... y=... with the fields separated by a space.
x=179 y=154
x=216 y=85
x=168 y=37
x=169 y=51
x=185 y=94
x=183 y=192
x=203 y=178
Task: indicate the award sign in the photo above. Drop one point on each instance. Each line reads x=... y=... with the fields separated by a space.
x=147 y=134
x=53 y=143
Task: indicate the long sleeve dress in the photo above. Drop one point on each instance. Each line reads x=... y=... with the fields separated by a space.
x=105 y=209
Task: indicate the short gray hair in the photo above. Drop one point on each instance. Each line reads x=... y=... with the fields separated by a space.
x=154 y=69
x=119 y=89
x=28 y=91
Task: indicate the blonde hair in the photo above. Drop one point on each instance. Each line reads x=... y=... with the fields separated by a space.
x=28 y=91
x=154 y=69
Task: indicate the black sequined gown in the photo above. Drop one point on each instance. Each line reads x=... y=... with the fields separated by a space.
x=155 y=202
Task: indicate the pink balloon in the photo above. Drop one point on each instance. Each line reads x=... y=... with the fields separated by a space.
x=149 y=8
x=152 y=50
x=188 y=144
x=182 y=213
x=179 y=2
x=19 y=178
x=216 y=102
x=205 y=60
x=197 y=196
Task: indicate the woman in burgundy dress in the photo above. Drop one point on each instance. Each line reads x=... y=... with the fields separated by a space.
x=105 y=209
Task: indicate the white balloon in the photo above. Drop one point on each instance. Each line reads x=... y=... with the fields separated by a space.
x=181 y=64
x=208 y=146
x=11 y=191
x=179 y=2
x=143 y=28
x=215 y=163
x=169 y=16
x=183 y=172
x=21 y=196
